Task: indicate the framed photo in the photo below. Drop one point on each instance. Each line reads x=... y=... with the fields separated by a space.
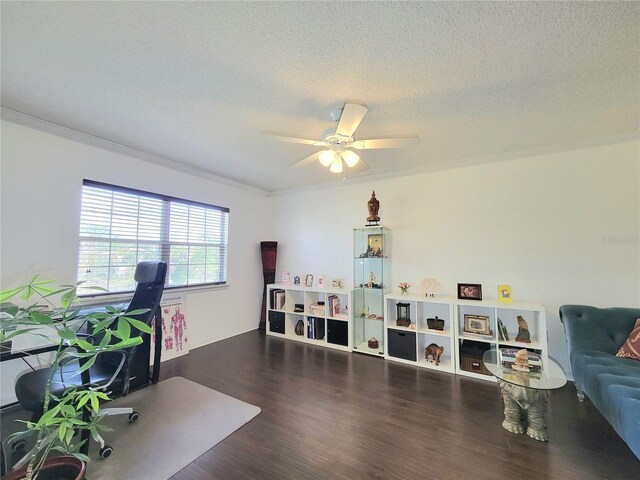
x=478 y=324
x=308 y=280
x=336 y=283
x=504 y=293
x=284 y=278
x=374 y=244
x=320 y=281
x=469 y=291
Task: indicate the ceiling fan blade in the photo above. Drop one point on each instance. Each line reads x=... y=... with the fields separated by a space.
x=305 y=161
x=283 y=137
x=352 y=115
x=361 y=166
x=391 y=142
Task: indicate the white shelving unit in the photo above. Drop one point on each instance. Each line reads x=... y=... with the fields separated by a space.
x=401 y=340
x=507 y=313
x=334 y=327
x=407 y=345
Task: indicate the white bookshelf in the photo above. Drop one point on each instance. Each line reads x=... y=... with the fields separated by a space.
x=532 y=313
x=420 y=308
x=453 y=312
x=281 y=322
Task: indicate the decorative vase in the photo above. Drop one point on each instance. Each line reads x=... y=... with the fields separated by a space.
x=269 y=251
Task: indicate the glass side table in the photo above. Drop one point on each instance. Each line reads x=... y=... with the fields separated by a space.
x=525 y=393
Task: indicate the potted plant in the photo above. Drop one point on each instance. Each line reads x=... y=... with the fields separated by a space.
x=51 y=312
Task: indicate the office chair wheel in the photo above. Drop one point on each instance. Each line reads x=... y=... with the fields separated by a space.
x=134 y=417
x=106 y=451
x=18 y=445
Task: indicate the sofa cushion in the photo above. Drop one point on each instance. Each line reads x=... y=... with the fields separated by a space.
x=631 y=348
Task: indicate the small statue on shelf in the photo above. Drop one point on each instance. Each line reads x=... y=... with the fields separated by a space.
x=523 y=331
x=373 y=205
x=373 y=343
x=434 y=351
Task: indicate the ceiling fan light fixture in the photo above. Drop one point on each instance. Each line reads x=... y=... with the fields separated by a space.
x=350 y=158
x=327 y=157
x=336 y=164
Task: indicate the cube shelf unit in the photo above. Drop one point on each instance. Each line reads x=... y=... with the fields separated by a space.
x=469 y=358
x=336 y=327
x=407 y=345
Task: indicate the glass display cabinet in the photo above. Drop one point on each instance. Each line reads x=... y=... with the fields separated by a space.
x=371 y=281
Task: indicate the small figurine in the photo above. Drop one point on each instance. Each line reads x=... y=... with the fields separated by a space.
x=523 y=331
x=372 y=280
x=434 y=351
x=296 y=280
x=373 y=205
x=299 y=328
x=373 y=343
x=522 y=361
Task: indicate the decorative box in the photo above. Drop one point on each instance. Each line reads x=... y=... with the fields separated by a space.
x=471 y=353
x=435 y=323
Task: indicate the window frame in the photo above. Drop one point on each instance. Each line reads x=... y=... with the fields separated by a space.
x=164 y=242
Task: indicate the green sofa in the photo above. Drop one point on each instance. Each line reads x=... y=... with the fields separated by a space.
x=594 y=336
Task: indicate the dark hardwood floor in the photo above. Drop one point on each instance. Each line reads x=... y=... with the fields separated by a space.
x=334 y=415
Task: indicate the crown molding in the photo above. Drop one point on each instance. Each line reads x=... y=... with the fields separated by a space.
x=45 y=126
x=471 y=161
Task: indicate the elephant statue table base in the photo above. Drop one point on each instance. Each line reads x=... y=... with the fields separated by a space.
x=522 y=402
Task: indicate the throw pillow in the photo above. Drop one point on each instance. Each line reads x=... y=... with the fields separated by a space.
x=631 y=348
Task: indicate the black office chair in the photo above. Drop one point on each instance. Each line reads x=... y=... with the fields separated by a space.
x=112 y=371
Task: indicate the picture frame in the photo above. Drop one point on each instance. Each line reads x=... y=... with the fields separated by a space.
x=477 y=324
x=375 y=244
x=284 y=278
x=336 y=283
x=504 y=293
x=469 y=291
x=308 y=280
x=320 y=282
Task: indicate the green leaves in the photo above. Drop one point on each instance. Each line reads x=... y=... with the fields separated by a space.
x=52 y=312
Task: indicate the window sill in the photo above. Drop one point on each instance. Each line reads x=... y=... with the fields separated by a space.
x=115 y=298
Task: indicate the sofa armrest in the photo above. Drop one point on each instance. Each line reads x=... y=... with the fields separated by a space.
x=599 y=329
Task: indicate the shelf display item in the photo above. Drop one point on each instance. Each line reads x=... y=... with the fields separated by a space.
x=435 y=351
x=372 y=280
x=523 y=331
x=373 y=343
x=373 y=205
x=435 y=323
x=299 y=328
x=403 y=317
x=431 y=287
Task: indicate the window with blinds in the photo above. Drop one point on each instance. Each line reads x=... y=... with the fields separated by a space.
x=120 y=227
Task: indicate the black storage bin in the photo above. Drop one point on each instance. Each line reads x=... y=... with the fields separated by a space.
x=338 y=332
x=402 y=345
x=276 y=322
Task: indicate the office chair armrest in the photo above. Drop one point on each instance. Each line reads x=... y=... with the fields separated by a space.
x=123 y=360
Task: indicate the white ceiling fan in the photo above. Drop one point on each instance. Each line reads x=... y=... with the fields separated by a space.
x=339 y=145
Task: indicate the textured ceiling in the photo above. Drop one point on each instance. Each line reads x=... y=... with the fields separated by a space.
x=196 y=82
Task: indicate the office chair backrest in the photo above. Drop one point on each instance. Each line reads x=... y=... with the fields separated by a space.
x=150 y=278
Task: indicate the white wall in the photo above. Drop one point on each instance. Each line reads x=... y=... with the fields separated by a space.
x=560 y=228
x=41 y=191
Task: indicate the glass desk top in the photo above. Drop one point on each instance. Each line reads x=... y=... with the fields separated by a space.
x=552 y=376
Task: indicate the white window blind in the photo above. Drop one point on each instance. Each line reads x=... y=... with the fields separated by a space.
x=120 y=227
